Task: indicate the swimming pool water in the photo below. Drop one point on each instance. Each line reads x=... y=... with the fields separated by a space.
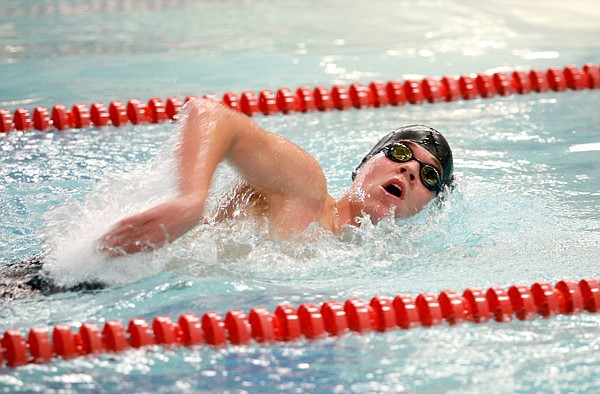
x=525 y=209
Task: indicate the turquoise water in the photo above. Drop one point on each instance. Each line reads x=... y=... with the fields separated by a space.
x=525 y=209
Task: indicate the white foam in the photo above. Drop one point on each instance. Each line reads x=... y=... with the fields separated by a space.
x=73 y=229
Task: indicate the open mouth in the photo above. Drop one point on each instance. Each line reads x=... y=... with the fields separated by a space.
x=394 y=190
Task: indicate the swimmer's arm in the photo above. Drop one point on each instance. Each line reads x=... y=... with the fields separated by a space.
x=197 y=156
x=268 y=162
x=211 y=133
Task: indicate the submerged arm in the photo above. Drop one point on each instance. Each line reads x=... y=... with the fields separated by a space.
x=211 y=133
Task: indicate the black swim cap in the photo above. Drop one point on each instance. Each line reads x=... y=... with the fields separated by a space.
x=428 y=137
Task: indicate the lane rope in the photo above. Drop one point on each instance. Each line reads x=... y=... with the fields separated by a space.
x=308 y=321
x=306 y=99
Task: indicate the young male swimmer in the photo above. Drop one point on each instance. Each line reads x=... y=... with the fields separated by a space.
x=403 y=172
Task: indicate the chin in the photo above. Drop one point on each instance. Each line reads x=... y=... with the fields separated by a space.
x=394 y=213
x=406 y=215
x=379 y=213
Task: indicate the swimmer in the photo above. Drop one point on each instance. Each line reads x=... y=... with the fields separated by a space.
x=401 y=175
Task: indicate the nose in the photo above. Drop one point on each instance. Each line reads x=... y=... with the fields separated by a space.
x=410 y=169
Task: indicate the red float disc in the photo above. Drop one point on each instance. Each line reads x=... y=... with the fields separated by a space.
x=248 y=103
x=323 y=101
x=306 y=99
x=114 y=336
x=450 y=89
x=39 y=345
x=499 y=303
x=237 y=326
x=378 y=94
x=477 y=305
x=267 y=103
x=288 y=323
x=173 y=107
x=358 y=314
x=15 y=348
x=546 y=299
x=413 y=92
x=21 y=119
x=575 y=78
x=140 y=333
x=538 y=80
x=214 y=328
x=395 y=93
x=91 y=338
x=432 y=90
x=41 y=118
x=590 y=290
x=117 y=113
x=191 y=329
x=383 y=308
x=485 y=85
x=261 y=322
x=231 y=100
x=467 y=87
x=452 y=306
x=286 y=101
x=503 y=84
x=359 y=95
x=64 y=342
x=136 y=112
x=430 y=313
x=99 y=115
x=6 y=124
x=80 y=115
x=570 y=297
x=593 y=75
x=407 y=315
x=340 y=97
x=164 y=330
x=334 y=317
x=156 y=111
x=522 y=302
x=311 y=321
x=521 y=83
x=556 y=79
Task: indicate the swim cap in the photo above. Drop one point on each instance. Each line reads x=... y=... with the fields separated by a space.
x=427 y=137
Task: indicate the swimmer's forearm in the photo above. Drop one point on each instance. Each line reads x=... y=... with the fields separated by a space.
x=153 y=228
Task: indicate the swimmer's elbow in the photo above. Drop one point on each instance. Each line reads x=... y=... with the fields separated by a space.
x=198 y=104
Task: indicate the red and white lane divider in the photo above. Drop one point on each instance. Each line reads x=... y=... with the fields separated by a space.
x=305 y=99
x=309 y=321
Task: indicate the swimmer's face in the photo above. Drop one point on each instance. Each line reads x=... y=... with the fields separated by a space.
x=387 y=188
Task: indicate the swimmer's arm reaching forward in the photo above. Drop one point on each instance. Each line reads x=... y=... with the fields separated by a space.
x=285 y=174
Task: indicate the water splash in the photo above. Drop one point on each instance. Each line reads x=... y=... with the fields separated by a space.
x=72 y=229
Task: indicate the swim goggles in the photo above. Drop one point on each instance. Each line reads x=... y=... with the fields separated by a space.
x=401 y=153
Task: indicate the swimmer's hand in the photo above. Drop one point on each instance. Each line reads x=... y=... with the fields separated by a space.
x=151 y=229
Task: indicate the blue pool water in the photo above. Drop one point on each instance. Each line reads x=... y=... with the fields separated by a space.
x=525 y=210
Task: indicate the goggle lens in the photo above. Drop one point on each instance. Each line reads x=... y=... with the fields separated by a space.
x=430 y=176
x=401 y=153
